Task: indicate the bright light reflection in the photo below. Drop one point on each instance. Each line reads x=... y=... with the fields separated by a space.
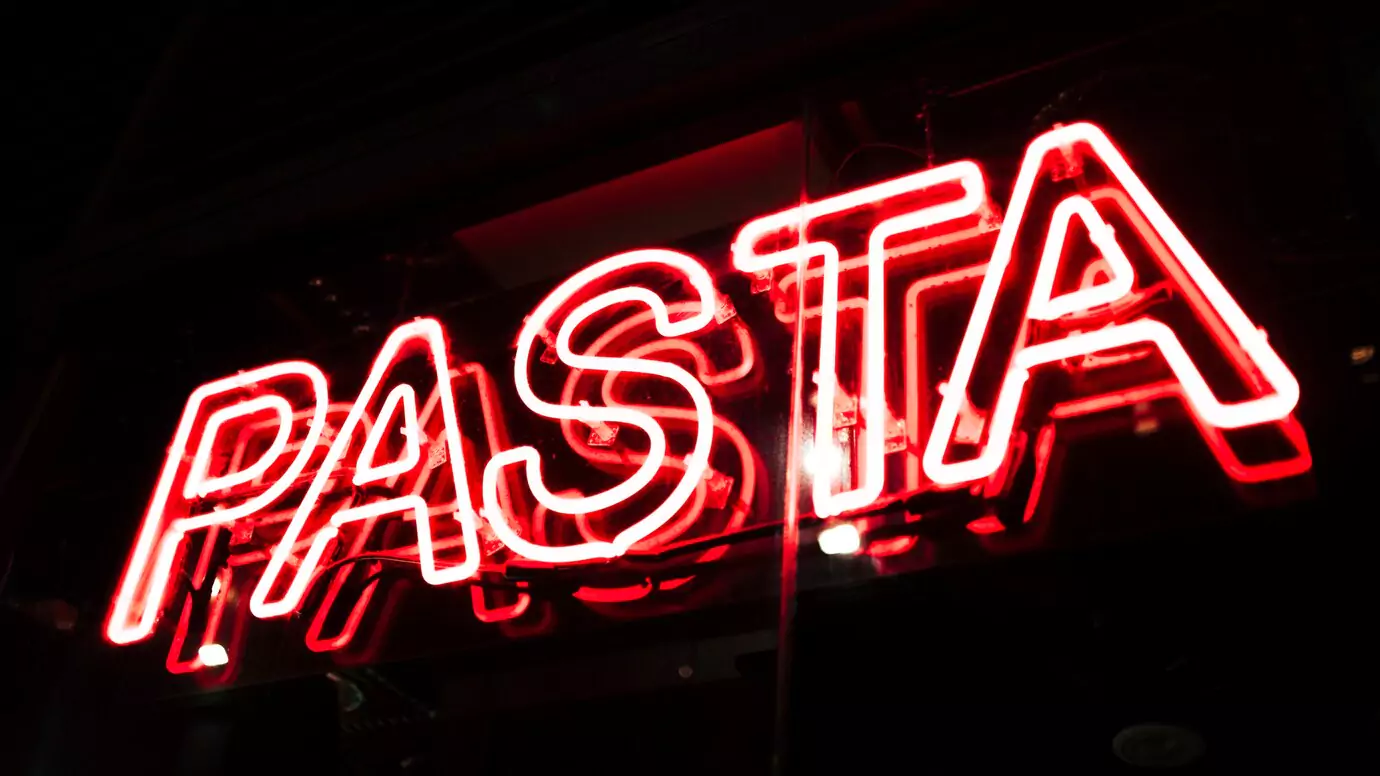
x=840 y=539
x=213 y=655
x=821 y=460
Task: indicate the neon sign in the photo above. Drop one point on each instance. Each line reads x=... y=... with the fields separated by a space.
x=1086 y=277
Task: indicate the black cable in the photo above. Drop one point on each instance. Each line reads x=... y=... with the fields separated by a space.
x=848 y=157
x=367 y=556
x=761 y=531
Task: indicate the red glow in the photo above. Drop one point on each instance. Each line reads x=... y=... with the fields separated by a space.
x=316 y=642
x=485 y=613
x=1186 y=269
x=1300 y=462
x=917 y=389
x=1044 y=448
x=885 y=548
x=986 y=525
x=614 y=595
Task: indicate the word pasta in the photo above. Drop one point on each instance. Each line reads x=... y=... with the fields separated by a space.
x=1084 y=275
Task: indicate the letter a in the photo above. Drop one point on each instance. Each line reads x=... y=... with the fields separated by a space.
x=419 y=348
x=1021 y=322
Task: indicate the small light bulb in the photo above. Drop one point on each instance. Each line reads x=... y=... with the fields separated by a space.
x=840 y=539
x=213 y=655
x=215 y=587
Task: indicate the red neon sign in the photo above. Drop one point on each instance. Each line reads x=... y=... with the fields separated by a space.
x=1088 y=275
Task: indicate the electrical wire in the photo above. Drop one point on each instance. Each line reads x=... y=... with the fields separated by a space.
x=848 y=157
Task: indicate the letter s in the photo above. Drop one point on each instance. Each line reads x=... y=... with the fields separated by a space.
x=561 y=300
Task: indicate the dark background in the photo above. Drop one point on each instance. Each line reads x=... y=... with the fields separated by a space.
x=182 y=177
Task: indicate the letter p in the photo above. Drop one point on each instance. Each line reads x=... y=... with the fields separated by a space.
x=205 y=480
